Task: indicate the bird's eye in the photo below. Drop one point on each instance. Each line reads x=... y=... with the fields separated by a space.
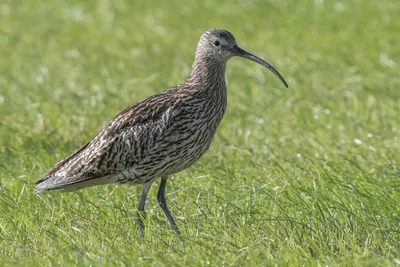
x=216 y=43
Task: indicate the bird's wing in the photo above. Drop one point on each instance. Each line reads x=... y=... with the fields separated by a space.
x=126 y=139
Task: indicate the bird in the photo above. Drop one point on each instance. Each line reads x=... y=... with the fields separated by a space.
x=160 y=135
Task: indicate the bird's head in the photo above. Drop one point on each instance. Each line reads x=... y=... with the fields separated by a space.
x=220 y=45
x=217 y=43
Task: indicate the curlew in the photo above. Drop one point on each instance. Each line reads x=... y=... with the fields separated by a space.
x=159 y=136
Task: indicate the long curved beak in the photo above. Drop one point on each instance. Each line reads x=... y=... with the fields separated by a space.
x=237 y=51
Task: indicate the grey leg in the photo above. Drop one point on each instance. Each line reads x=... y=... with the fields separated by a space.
x=142 y=214
x=163 y=204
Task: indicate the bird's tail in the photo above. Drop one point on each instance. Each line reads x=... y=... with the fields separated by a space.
x=62 y=184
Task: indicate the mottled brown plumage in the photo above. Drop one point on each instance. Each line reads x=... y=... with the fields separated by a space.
x=160 y=135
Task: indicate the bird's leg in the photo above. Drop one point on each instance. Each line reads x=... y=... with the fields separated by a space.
x=141 y=213
x=163 y=204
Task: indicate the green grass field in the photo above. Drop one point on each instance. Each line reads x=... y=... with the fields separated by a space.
x=308 y=175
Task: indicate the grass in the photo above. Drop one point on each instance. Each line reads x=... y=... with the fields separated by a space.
x=302 y=176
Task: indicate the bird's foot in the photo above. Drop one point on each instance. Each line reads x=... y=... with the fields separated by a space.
x=175 y=229
x=141 y=217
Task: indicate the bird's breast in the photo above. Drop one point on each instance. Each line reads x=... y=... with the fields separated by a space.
x=193 y=131
x=188 y=137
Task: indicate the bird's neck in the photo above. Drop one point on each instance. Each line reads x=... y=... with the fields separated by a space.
x=207 y=73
